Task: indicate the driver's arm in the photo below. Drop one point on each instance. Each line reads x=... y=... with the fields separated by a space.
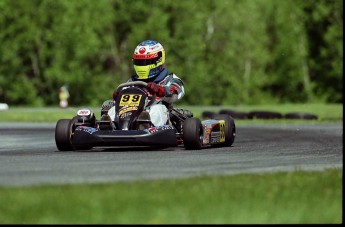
x=174 y=89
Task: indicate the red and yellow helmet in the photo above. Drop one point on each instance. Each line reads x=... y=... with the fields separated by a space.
x=148 y=59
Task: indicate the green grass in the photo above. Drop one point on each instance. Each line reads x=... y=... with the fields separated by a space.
x=32 y=114
x=297 y=197
x=326 y=112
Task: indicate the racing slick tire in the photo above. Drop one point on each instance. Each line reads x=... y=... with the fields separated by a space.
x=306 y=116
x=264 y=115
x=207 y=114
x=234 y=114
x=230 y=128
x=63 y=133
x=192 y=133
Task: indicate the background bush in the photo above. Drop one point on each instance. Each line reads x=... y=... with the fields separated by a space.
x=227 y=52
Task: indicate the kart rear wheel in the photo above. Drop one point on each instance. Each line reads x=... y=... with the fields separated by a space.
x=63 y=133
x=230 y=129
x=295 y=115
x=264 y=115
x=192 y=133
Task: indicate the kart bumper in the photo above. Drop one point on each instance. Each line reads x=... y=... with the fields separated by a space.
x=91 y=137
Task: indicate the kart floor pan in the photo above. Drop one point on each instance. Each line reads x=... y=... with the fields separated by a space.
x=90 y=137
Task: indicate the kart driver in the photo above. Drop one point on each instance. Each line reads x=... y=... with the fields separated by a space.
x=148 y=60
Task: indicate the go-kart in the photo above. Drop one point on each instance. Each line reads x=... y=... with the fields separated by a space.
x=132 y=125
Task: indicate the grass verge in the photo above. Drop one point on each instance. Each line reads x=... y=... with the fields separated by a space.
x=299 y=197
x=326 y=112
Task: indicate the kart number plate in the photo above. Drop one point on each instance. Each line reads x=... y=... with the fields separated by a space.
x=130 y=100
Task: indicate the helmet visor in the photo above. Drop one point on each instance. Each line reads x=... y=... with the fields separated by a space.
x=147 y=59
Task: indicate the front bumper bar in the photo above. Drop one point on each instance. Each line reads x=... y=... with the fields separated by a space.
x=90 y=137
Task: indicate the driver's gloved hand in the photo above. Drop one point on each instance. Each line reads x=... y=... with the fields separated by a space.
x=115 y=94
x=187 y=113
x=156 y=89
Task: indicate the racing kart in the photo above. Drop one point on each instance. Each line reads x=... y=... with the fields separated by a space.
x=132 y=126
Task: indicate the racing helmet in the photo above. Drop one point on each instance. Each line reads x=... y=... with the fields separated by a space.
x=148 y=59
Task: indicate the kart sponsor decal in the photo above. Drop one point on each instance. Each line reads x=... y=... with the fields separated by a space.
x=222 y=131
x=130 y=100
x=217 y=134
x=86 y=129
x=126 y=109
x=207 y=132
x=206 y=139
x=125 y=114
x=160 y=128
x=215 y=137
x=84 y=112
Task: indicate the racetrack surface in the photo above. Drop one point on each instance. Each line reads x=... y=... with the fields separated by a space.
x=28 y=155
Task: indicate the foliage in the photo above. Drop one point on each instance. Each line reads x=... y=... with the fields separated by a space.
x=228 y=52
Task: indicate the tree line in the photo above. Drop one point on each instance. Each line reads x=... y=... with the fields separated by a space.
x=227 y=52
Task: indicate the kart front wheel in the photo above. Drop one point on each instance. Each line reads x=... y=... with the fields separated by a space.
x=192 y=133
x=63 y=133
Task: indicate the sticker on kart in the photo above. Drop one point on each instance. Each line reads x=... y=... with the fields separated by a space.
x=86 y=129
x=127 y=109
x=222 y=131
x=130 y=100
x=160 y=128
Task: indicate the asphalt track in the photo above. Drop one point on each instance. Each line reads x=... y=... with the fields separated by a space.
x=28 y=155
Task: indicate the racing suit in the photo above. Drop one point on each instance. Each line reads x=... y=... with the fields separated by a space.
x=174 y=91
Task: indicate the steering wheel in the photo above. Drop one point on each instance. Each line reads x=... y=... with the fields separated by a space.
x=136 y=83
